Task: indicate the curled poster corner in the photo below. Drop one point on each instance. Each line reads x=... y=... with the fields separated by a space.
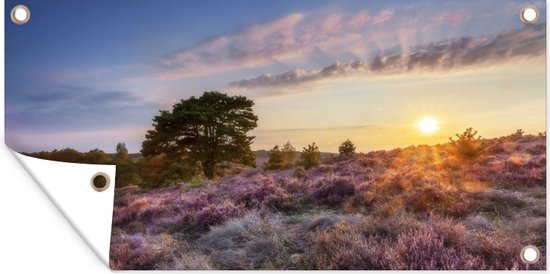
x=68 y=187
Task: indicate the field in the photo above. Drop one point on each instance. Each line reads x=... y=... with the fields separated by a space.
x=420 y=207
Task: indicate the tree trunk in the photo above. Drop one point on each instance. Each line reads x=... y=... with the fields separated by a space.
x=208 y=169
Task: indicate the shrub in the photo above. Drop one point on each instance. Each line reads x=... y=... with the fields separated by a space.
x=332 y=191
x=139 y=252
x=163 y=170
x=299 y=173
x=186 y=260
x=196 y=182
x=250 y=242
x=265 y=194
x=310 y=157
x=275 y=159
x=346 y=148
x=425 y=248
x=289 y=155
x=215 y=214
x=343 y=247
x=467 y=145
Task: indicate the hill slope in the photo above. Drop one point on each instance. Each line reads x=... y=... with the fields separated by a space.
x=420 y=207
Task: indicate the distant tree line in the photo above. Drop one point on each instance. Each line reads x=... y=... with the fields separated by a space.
x=128 y=167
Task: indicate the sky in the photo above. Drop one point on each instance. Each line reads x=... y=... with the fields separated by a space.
x=94 y=73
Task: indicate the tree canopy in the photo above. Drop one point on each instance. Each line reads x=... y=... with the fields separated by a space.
x=209 y=130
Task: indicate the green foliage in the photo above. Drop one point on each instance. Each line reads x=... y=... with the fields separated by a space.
x=310 y=157
x=275 y=159
x=289 y=155
x=95 y=156
x=127 y=170
x=281 y=158
x=121 y=152
x=208 y=130
x=468 y=146
x=196 y=182
x=346 y=148
x=162 y=170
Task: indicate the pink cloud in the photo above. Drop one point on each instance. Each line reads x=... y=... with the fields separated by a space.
x=382 y=17
x=443 y=56
x=289 y=37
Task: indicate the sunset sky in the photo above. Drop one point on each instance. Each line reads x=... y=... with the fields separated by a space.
x=92 y=74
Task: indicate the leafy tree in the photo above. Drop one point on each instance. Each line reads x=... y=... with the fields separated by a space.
x=97 y=156
x=310 y=157
x=468 y=146
x=121 y=152
x=346 y=148
x=289 y=154
x=67 y=155
x=161 y=170
x=127 y=170
x=210 y=129
x=275 y=159
x=94 y=156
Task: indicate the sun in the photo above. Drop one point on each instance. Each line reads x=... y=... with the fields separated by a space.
x=428 y=125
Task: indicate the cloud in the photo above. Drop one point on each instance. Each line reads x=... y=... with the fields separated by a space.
x=319 y=129
x=443 y=56
x=285 y=38
x=76 y=107
x=85 y=95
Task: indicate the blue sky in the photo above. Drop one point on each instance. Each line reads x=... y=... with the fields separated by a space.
x=87 y=74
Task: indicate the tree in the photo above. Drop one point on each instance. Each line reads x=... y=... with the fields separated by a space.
x=467 y=145
x=310 y=157
x=121 y=152
x=67 y=155
x=97 y=156
x=346 y=148
x=289 y=154
x=275 y=159
x=210 y=129
x=519 y=133
x=127 y=170
x=161 y=170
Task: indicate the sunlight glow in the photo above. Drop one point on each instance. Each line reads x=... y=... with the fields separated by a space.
x=428 y=125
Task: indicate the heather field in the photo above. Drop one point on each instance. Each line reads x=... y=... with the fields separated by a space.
x=420 y=207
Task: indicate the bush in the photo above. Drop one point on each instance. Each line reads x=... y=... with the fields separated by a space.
x=467 y=146
x=346 y=148
x=138 y=252
x=426 y=248
x=343 y=247
x=215 y=214
x=265 y=194
x=332 y=191
x=186 y=260
x=162 y=170
x=275 y=159
x=310 y=157
x=250 y=242
x=289 y=155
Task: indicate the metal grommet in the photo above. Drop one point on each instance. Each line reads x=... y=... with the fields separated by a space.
x=529 y=14
x=100 y=181
x=530 y=254
x=20 y=14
